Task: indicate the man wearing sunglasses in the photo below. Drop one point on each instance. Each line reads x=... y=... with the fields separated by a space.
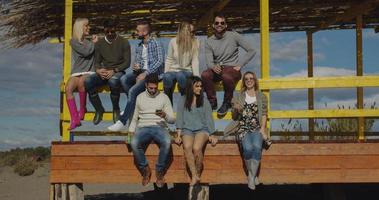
x=112 y=57
x=221 y=54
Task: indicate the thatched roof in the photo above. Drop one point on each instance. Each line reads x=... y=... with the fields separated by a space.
x=30 y=21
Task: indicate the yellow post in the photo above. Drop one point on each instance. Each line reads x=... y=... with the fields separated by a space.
x=361 y=122
x=66 y=66
x=265 y=46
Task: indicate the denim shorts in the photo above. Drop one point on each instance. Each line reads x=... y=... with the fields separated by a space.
x=193 y=133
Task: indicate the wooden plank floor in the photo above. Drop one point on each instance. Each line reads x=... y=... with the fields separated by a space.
x=112 y=162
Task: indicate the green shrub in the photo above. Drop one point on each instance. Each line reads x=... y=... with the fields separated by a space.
x=25 y=167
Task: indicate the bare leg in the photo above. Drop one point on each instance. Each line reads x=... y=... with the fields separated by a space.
x=71 y=85
x=200 y=141
x=188 y=154
x=81 y=87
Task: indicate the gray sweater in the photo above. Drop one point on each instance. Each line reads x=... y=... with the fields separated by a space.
x=196 y=119
x=225 y=50
x=83 y=56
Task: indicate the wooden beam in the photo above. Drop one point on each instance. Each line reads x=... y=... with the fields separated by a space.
x=66 y=65
x=359 y=49
x=205 y=19
x=311 y=122
x=355 y=10
x=323 y=113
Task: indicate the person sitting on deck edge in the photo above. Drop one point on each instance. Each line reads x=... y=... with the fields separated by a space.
x=112 y=57
x=221 y=54
x=152 y=112
x=249 y=113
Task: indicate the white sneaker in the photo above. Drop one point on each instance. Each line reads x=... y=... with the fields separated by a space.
x=118 y=126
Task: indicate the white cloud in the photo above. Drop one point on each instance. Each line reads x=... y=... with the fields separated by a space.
x=320 y=71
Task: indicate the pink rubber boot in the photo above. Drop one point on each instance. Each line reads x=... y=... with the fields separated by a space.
x=75 y=121
x=83 y=101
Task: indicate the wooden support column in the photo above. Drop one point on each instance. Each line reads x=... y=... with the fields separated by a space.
x=66 y=68
x=265 y=48
x=311 y=121
x=361 y=123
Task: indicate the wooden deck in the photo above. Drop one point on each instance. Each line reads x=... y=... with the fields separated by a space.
x=302 y=163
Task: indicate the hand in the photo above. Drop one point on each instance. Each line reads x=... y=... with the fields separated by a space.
x=238 y=107
x=94 y=38
x=161 y=113
x=102 y=73
x=217 y=69
x=141 y=76
x=237 y=68
x=136 y=67
x=178 y=140
x=213 y=140
x=110 y=73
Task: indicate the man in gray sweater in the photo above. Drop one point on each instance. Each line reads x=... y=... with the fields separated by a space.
x=112 y=57
x=221 y=54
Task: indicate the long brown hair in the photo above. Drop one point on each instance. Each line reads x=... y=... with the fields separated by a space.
x=243 y=85
x=186 y=41
x=189 y=93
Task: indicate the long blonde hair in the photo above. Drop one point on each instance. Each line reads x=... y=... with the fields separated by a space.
x=186 y=41
x=77 y=32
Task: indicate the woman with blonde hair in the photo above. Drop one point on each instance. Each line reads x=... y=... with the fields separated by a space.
x=182 y=59
x=83 y=61
x=249 y=113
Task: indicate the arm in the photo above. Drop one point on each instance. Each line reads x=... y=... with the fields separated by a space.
x=98 y=57
x=126 y=57
x=179 y=113
x=195 y=60
x=82 y=49
x=167 y=108
x=209 y=55
x=247 y=46
x=208 y=116
x=170 y=56
x=133 y=123
x=159 y=57
x=236 y=109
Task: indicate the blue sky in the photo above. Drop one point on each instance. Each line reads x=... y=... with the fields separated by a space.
x=30 y=78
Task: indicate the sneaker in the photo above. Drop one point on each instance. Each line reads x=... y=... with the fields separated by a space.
x=223 y=109
x=118 y=126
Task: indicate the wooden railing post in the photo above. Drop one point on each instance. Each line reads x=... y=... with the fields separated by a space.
x=311 y=122
x=361 y=121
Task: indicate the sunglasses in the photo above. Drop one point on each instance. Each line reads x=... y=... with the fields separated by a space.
x=217 y=23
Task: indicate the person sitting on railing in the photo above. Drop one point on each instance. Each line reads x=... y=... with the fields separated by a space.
x=194 y=124
x=182 y=59
x=112 y=57
x=83 y=56
x=249 y=112
x=149 y=122
x=149 y=58
x=221 y=53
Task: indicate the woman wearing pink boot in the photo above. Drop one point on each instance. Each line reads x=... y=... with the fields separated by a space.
x=83 y=57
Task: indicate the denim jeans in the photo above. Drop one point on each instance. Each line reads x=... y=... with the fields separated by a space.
x=132 y=89
x=170 y=78
x=252 y=145
x=143 y=137
x=94 y=81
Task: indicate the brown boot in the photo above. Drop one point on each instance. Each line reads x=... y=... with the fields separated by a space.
x=160 y=179
x=146 y=175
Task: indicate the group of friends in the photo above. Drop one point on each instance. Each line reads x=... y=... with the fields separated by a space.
x=99 y=62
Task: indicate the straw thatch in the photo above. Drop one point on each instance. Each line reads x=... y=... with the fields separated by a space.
x=30 y=21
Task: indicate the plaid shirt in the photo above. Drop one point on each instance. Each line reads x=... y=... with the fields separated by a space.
x=155 y=56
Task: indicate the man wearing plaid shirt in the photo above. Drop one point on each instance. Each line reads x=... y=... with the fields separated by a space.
x=149 y=58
